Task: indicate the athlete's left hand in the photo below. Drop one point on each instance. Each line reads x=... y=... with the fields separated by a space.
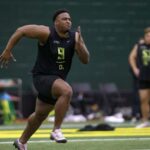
x=80 y=38
x=79 y=42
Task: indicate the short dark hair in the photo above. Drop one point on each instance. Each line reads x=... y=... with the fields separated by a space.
x=59 y=11
x=146 y=30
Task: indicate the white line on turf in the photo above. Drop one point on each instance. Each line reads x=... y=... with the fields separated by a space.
x=85 y=140
x=141 y=149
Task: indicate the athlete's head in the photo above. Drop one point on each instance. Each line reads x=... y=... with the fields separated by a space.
x=62 y=20
x=147 y=35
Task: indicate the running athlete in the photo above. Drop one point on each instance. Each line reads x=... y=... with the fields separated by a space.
x=56 y=47
x=139 y=60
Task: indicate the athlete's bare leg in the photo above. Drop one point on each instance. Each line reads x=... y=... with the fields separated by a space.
x=63 y=91
x=35 y=120
x=145 y=97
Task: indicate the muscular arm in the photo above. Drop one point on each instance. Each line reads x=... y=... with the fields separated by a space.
x=39 y=32
x=81 y=48
x=132 y=60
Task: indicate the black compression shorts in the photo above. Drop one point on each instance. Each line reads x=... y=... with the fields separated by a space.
x=142 y=84
x=43 y=85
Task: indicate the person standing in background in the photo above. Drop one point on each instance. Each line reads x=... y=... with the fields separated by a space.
x=139 y=60
x=136 y=111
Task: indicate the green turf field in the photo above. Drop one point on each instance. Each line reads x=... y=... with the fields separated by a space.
x=124 y=137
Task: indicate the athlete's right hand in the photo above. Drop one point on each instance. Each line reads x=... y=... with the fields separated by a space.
x=5 y=58
x=136 y=72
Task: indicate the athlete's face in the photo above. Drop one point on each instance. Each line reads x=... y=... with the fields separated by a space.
x=63 y=22
x=147 y=38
